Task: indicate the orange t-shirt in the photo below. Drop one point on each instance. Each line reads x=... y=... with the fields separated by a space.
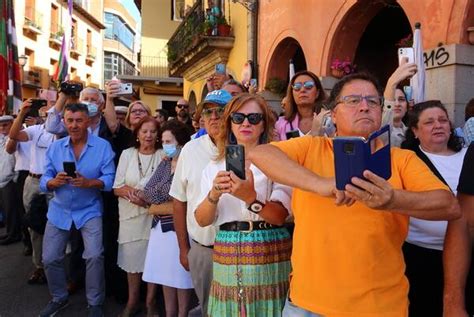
x=347 y=261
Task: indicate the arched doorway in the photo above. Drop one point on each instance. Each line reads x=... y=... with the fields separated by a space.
x=192 y=101
x=204 y=93
x=368 y=34
x=288 y=49
x=377 y=49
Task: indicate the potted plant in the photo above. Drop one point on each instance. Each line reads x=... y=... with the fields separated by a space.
x=207 y=28
x=223 y=27
x=341 y=68
x=276 y=85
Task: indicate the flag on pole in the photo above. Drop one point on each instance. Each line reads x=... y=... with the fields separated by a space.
x=61 y=72
x=291 y=71
x=10 y=80
x=418 y=81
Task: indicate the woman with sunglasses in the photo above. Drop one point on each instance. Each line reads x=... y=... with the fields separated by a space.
x=304 y=98
x=252 y=248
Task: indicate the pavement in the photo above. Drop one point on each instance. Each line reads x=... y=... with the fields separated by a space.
x=18 y=299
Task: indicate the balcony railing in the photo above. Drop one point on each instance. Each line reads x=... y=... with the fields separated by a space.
x=194 y=47
x=56 y=34
x=33 y=20
x=154 y=66
x=182 y=39
x=32 y=78
x=91 y=53
x=77 y=46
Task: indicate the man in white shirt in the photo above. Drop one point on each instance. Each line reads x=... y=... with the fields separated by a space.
x=40 y=141
x=8 y=193
x=196 y=256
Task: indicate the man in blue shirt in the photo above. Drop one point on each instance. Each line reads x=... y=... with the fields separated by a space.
x=77 y=202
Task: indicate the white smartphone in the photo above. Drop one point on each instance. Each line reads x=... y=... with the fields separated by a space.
x=125 y=89
x=406 y=52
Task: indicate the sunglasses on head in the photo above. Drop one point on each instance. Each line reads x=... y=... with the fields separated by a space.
x=182 y=106
x=253 y=118
x=306 y=85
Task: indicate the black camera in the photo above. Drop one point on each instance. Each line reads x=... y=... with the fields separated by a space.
x=71 y=88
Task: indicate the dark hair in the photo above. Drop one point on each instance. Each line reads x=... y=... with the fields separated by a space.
x=234 y=82
x=291 y=109
x=179 y=130
x=164 y=113
x=411 y=142
x=77 y=107
x=469 y=110
x=336 y=90
x=146 y=119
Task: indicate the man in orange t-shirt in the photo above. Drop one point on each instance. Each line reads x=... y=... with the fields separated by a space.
x=347 y=258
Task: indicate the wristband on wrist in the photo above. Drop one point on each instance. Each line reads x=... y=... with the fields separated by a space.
x=212 y=201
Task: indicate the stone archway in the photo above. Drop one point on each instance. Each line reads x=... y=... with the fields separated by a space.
x=287 y=49
x=367 y=35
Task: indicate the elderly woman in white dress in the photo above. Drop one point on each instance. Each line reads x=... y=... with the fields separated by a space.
x=136 y=166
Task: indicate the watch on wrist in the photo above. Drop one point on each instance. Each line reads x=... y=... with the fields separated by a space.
x=256 y=206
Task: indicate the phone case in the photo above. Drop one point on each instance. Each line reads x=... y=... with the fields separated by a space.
x=235 y=159
x=406 y=52
x=70 y=168
x=220 y=68
x=353 y=155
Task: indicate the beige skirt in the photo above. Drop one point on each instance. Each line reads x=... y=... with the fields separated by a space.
x=131 y=256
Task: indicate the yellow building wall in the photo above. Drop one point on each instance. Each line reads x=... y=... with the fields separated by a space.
x=238 y=55
x=157 y=28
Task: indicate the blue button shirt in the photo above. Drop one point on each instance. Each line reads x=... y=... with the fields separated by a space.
x=73 y=204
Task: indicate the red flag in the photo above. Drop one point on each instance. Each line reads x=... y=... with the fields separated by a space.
x=10 y=81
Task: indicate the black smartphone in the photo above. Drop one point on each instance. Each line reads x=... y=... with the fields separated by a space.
x=235 y=159
x=70 y=169
x=292 y=134
x=35 y=106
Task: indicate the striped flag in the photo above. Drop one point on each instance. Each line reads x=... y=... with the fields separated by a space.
x=418 y=80
x=61 y=72
x=10 y=80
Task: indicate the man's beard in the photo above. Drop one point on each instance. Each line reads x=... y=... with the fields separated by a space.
x=183 y=114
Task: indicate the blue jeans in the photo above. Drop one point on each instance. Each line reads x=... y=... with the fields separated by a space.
x=54 y=247
x=291 y=310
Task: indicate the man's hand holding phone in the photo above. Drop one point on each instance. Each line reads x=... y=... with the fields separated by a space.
x=80 y=181
x=375 y=192
x=61 y=179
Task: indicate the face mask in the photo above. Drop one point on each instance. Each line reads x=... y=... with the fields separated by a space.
x=170 y=150
x=92 y=108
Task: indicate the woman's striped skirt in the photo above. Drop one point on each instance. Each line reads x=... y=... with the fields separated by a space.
x=250 y=273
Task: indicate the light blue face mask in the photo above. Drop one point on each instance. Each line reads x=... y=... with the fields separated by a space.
x=92 y=108
x=170 y=150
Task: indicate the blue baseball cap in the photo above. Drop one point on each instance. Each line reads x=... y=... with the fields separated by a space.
x=220 y=97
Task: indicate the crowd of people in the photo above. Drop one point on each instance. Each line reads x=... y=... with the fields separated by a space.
x=136 y=198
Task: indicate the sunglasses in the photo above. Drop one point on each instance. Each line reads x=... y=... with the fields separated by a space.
x=306 y=85
x=216 y=111
x=182 y=106
x=253 y=118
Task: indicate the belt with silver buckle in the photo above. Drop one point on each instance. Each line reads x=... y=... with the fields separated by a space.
x=247 y=226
